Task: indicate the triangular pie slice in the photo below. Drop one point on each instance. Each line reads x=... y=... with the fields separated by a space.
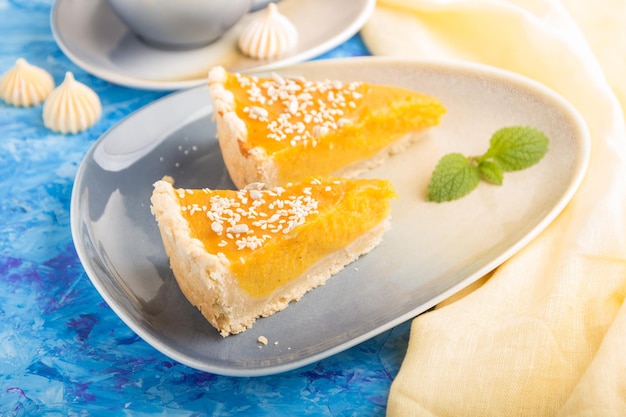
x=277 y=130
x=240 y=255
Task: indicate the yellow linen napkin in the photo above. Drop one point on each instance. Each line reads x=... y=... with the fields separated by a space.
x=544 y=334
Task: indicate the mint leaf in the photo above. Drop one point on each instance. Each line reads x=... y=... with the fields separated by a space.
x=490 y=172
x=453 y=177
x=516 y=148
x=510 y=149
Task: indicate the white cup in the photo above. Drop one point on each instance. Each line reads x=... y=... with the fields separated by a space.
x=180 y=23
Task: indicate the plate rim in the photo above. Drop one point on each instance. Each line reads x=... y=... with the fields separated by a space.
x=172 y=85
x=583 y=156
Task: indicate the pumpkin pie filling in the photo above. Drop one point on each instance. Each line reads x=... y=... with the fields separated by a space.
x=271 y=237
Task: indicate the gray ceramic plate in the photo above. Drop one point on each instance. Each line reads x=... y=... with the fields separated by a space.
x=92 y=36
x=432 y=250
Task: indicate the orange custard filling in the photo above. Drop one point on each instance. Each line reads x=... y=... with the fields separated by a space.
x=321 y=126
x=271 y=237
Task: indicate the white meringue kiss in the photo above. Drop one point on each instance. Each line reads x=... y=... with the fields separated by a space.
x=269 y=35
x=72 y=107
x=25 y=85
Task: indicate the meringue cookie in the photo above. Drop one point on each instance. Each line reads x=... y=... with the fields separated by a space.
x=25 y=85
x=71 y=107
x=268 y=35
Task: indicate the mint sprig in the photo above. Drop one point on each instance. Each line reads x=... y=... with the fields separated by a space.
x=510 y=149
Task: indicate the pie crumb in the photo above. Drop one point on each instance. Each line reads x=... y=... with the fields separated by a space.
x=262 y=340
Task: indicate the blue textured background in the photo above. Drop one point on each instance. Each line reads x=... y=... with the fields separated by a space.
x=62 y=349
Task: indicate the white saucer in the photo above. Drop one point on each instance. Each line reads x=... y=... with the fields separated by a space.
x=92 y=36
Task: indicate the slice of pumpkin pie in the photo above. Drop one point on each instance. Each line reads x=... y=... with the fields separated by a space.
x=240 y=255
x=277 y=130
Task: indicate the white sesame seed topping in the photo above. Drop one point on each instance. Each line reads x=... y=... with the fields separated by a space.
x=293 y=106
x=278 y=78
x=246 y=219
x=217 y=227
x=257 y=112
x=238 y=229
x=256 y=194
x=295 y=95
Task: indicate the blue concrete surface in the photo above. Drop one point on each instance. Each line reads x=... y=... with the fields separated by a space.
x=63 y=351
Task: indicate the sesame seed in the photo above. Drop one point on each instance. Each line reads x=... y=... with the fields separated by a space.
x=278 y=78
x=257 y=112
x=238 y=229
x=256 y=194
x=293 y=105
